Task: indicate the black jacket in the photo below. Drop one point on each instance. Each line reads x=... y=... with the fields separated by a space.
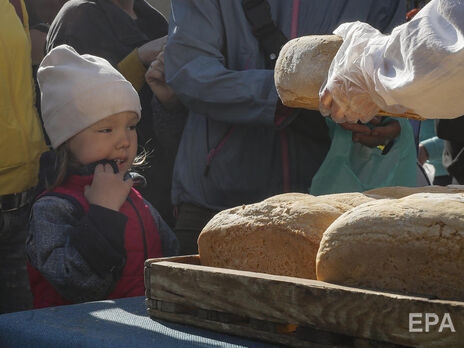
x=453 y=153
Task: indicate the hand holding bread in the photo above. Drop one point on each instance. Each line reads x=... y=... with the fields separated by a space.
x=301 y=71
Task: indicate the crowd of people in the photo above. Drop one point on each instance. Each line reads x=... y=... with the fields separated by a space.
x=128 y=132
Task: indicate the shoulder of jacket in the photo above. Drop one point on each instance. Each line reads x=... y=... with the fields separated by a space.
x=58 y=202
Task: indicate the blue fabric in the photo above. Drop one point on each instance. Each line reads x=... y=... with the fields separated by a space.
x=118 y=323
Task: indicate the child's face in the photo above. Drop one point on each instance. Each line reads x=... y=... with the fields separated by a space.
x=113 y=138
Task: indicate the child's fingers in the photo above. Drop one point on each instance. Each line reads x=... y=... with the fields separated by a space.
x=129 y=182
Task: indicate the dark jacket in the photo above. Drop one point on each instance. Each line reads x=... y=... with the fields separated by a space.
x=453 y=153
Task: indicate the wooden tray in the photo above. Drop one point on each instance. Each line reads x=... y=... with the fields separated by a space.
x=294 y=311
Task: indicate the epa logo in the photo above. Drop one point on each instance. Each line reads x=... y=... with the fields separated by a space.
x=424 y=322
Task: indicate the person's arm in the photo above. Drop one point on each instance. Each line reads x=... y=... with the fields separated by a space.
x=80 y=255
x=196 y=68
x=417 y=68
x=133 y=70
x=156 y=79
x=431 y=149
x=134 y=65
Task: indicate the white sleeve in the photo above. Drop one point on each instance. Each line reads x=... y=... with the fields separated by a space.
x=418 y=67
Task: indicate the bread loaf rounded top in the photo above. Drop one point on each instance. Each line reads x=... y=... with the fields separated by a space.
x=414 y=245
x=402 y=191
x=302 y=68
x=279 y=235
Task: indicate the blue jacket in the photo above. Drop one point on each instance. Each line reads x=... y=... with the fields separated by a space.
x=231 y=151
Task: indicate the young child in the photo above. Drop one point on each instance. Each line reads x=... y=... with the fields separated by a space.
x=91 y=231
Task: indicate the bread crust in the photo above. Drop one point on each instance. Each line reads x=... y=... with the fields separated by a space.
x=302 y=68
x=402 y=191
x=411 y=245
x=279 y=235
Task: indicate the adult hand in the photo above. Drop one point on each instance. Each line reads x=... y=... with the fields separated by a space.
x=379 y=134
x=149 y=51
x=346 y=103
x=108 y=189
x=349 y=94
x=157 y=82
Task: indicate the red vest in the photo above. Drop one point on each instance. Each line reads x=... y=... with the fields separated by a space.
x=141 y=233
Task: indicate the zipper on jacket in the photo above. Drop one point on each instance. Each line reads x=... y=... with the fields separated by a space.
x=215 y=150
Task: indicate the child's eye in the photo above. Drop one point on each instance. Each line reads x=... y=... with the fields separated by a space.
x=105 y=130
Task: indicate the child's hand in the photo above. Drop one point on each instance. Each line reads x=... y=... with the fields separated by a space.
x=108 y=189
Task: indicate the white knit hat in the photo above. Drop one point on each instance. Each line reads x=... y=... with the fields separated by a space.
x=80 y=90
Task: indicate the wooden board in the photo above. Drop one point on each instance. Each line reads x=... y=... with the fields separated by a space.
x=295 y=311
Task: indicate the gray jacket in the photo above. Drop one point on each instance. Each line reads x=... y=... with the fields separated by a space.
x=231 y=152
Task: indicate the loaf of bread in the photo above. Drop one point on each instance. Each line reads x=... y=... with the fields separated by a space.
x=302 y=68
x=402 y=191
x=279 y=235
x=411 y=245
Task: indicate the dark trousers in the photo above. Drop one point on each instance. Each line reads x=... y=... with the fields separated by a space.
x=190 y=221
x=15 y=292
x=442 y=180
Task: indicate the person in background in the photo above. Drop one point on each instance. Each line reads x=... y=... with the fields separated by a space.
x=91 y=231
x=21 y=145
x=418 y=67
x=129 y=34
x=169 y=116
x=41 y=14
x=453 y=149
x=240 y=144
x=430 y=152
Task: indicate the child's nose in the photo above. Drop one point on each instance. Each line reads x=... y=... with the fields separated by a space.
x=124 y=139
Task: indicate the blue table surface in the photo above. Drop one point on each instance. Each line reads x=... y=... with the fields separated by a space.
x=112 y=323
